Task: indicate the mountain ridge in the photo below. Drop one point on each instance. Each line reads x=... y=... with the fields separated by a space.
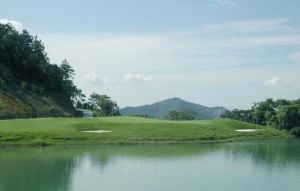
x=161 y=109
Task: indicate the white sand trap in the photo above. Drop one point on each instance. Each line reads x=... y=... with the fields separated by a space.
x=247 y=130
x=97 y=131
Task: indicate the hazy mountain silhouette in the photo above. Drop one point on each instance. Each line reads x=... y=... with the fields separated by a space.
x=161 y=109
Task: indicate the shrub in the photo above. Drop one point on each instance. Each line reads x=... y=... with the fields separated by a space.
x=181 y=115
x=295 y=131
x=1 y=105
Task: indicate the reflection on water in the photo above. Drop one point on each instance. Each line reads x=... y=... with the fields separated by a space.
x=256 y=165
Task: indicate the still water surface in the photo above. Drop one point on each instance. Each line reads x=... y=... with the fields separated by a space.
x=257 y=165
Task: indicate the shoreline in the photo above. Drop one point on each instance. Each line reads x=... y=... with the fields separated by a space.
x=100 y=143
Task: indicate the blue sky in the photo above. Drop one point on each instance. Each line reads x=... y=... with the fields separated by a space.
x=139 y=15
x=212 y=52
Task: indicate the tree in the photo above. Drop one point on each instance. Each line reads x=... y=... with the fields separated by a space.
x=23 y=56
x=289 y=117
x=282 y=102
x=281 y=113
x=25 y=66
x=264 y=111
x=103 y=105
x=242 y=115
x=181 y=115
x=67 y=70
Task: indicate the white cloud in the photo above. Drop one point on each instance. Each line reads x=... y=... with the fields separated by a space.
x=16 y=24
x=295 y=56
x=274 y=82
x=228 y=2
x=204 y=61
x=137 y=78
x=222 y=43
x=93 y=78
x=254 y=25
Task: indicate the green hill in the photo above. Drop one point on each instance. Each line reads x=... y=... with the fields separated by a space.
x=161 y=109
x=127 y=130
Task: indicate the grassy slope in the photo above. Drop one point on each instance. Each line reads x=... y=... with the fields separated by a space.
x=27 y=104
x=125 y=130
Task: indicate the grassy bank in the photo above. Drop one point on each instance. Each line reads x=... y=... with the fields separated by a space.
x=126 y=130
x=20 y=103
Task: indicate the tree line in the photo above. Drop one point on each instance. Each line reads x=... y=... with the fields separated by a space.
x=186 y=114
x=100 y=105
x=24 y=64
x=281 y=114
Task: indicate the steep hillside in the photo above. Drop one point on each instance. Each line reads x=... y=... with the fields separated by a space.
x=161 y=109
x=24 y=104
x=20 y=99
x=31 y=86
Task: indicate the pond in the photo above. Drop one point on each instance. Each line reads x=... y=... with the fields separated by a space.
x=256 y=165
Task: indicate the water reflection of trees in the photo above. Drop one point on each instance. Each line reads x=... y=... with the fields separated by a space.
x=52 y=168
x=269 y=153
x=34 y=170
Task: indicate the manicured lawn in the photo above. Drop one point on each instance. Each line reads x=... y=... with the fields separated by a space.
x=126 y=130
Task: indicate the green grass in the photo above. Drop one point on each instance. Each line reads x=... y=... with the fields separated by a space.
x=126 y=130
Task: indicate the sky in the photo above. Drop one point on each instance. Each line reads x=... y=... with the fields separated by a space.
x=228 y=53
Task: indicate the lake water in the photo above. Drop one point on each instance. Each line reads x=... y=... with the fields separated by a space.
x=256 y=165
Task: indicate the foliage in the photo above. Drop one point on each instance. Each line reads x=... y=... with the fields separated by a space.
x=181 y=115
x=25 y=61
x=140 y=115
x=27 y=105
x=288 y=117
x=281 y=113
x=296 y=131
x=25 y=67
x=1 y=105
x=101 y=105
x=242 y=115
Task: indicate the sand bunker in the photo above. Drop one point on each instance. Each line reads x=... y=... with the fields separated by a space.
x=97 y=131
x=247 y=130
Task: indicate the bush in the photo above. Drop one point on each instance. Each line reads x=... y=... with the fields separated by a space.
x=295 y=131
x=1 y=105
x=181 y=115
x=54 y=112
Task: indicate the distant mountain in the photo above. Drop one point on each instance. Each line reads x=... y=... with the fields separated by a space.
x=161 y=109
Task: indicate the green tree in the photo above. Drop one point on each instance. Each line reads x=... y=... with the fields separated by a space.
x=289 y=117
x=264 y=111
x=67 y=70
x=242 y=115
x=181 y=115
x=25 y=66
x=103 y=105
x=24 y=57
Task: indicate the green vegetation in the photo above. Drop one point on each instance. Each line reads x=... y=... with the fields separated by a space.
x=295 y=131
x=26 y=105
x=30 y=86
x=280 y=114
x=181 y=115
x=100 y=105
x=127 y=130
